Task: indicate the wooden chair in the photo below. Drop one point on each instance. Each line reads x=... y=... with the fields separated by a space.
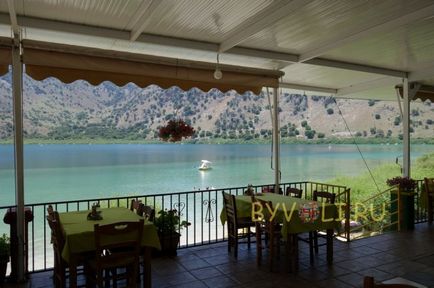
x=294 y=192
x=368 y=282
x=270 y=229
x=147 y=211
x=270 y=189
x=58 y=242
x=429 y=189
x=323 y=197
x=112 y=254
x=312 y=240
x=137 y=206
x=235 y=223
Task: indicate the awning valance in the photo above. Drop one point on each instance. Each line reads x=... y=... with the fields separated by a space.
x=424 y=92
x=70 y=63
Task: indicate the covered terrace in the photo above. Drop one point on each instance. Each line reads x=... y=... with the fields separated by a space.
x=349 y=49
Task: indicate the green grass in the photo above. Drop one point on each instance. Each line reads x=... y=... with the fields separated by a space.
x=363 y=186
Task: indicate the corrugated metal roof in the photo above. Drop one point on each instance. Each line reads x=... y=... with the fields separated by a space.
x=314 y=24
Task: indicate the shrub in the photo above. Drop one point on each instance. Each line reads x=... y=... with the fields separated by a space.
x=303 y=123
x=309 y=134
x=377 y=116
x=330 y=111
x=429 y=121
x=321 y=135
x=371 y=102
x=397 y=121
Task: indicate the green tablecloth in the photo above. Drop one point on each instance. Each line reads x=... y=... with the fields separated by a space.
x=296 y=223
x=79 y=232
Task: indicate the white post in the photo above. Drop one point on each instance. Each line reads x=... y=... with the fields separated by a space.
x=17 y=90
x=276 y=140
x=406 y=130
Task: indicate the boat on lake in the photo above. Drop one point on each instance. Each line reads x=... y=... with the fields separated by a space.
x=205 y=165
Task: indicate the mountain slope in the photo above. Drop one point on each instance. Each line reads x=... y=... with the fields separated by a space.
x=56 y=110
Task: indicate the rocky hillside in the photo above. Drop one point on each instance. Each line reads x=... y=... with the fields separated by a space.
x=55 y=110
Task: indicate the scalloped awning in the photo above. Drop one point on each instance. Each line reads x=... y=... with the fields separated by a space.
x=71 y=63
x=424 y=92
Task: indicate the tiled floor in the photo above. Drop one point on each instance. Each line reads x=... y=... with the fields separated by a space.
x=407 y=254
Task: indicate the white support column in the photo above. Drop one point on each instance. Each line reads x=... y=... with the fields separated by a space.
x=276 y=140
x=17 y=90
x=406 y=130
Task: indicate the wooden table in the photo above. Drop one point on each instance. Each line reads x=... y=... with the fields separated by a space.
x=80 y=240
x=302 y=219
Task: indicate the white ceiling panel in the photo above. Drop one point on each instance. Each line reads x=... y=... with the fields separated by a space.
x=317 y=28
x=205 y=20
x=407 y=48
x=315 y=23
x=305 y=74
x=103 y=13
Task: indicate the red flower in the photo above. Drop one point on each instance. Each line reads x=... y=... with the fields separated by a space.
x=175 y=130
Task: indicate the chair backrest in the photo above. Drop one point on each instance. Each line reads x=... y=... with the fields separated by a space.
x=53 y=220
x=136 y=206
x=294 y=192
x=147 y=211
x=368 y=282
x=230 y=209
x=270 y=189
x=429 y=185
x=122 y=239
x=323 y=196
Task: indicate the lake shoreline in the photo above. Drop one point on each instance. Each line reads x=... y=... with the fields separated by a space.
x=358 y=140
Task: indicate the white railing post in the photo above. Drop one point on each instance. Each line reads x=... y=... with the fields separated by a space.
x=406 y=130
x=17 y=88
x=276 y=140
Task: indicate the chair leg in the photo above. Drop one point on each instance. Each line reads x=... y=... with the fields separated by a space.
x=271 y=244
x=430 y=210
x=258 y=247
x=315 y=241
x=248 y=237
x=311 y=247
x=236 y=246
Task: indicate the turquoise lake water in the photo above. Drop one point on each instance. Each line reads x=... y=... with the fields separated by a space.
x=71 y=172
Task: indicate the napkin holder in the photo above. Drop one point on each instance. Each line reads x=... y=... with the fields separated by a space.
x=94 y=214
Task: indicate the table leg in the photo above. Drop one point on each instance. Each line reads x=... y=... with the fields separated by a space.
x=330 y=246
x=293 y=242
x=72 y=271
x=147 y=280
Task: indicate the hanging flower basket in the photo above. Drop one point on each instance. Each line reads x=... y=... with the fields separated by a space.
x=175 y=130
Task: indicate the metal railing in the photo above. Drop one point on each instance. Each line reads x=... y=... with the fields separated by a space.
x=376 y=214
x=420 y=214
x=201 y=208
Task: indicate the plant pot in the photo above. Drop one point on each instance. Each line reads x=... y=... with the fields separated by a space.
x=3 y=266
x=169 y=243
x=406 y=209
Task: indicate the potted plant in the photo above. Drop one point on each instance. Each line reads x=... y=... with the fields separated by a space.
x=168 y=225
x=405 y=184
x=5 y=252
x=406 y=188
x=175 y=130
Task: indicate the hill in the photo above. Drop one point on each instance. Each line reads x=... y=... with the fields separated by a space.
x=57 y=111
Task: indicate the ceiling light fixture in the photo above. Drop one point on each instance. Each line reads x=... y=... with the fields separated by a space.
x=217 y=72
